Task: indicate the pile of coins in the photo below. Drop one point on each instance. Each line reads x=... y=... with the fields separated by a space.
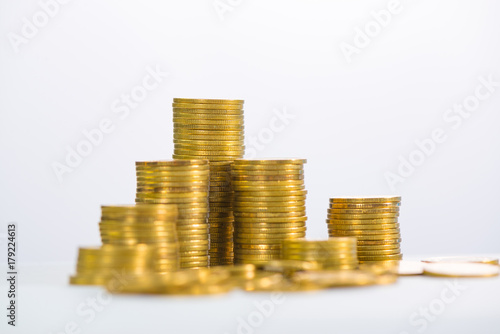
x=335 y=253
x=185 y=183
x=143 y=224
x=373 y=221
x=208 y=129
x=269 y=207
x=213 y=130
x=220 y=217
x=97 y=266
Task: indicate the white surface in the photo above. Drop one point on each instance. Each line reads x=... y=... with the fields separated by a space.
x=352 y=120
x=47 y=303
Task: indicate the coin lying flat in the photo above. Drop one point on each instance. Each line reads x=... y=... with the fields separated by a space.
x=458 y=269
x=462 y=259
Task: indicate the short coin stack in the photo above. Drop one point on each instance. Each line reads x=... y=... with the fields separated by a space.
x=213 y=130
x=269 y=207
x=373 y=221
x=185 y=183
x=151 y=224
x=97 y=266
x=221 y=217
x=208 y=129
x=335 y=253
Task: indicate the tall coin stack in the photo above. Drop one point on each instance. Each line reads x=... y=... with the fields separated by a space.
x=269 y=207
x=335 y=253
x=185 y=183
x=153 y=225
x=373 y=221
x=213 y=130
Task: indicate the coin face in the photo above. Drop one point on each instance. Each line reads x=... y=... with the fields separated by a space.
x=461 y=269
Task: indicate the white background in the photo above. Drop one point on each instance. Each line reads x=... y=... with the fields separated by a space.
x=352 y=120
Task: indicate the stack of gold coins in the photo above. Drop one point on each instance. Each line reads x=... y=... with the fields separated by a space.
x=96 y=266
x=269 y=207
x=221 y=217
x=185 y=183
x=208 y=129
x=373 y=221
x=152 y=224
x=213 y=130
x=335 y=253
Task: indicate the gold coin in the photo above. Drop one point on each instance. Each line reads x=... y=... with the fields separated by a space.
x=297 y=213
x=212 y=158
x=278 y=161
x=264 y=209
x=275 y=246
x=373 y=237
x=225 y=122
x=271 y=200
x=268 y=205
x=192 y=163
x=267 y=195
x=363 y=227
x=209 y=143
x=461 y=269
x=381 y=257
x=388 y=241
x=185 y=126
x=271 y=220
x=207 y=117
x=240 y=169
x=243 y=173
x=374 y=199
x=270 y=230
x=204 y=148
x=269 y=225
x=212 y=101
x=182 y=151
x=462 y=259
x=201 y=195
x=270 y=235
x=256 y=256
x=379 y=221
x=207 y=106
x=209 y=137
x=239 y=252
x=362 y=216
x=362 y=248
x=250 y=178
x=364 y=205
x=261 y=190
x=362 y=211
x=263 y=241
x=378 y=252
x=365 y=232
x=257 y=184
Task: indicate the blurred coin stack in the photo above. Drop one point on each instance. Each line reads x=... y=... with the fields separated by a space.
x=149 y=224
x=373 y=221
x=213 y=130
x=335 y=253
x=269 y=207
x=97 y=266
x=185 y=183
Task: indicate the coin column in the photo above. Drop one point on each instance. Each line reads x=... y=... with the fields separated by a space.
x=269 y=207
x=212 y=130
x=373 y=221
x=185 y=183
x=152 y=225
